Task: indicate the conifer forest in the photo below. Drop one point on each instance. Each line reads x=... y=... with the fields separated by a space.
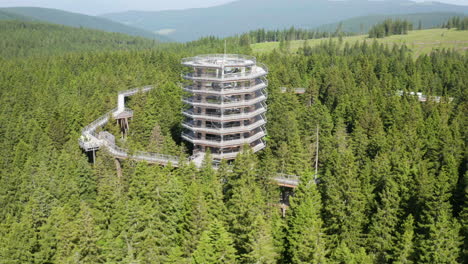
x=391 y=183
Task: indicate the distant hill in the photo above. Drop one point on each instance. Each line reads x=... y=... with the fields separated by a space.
x=73 y=20
x=24 y=39
x=11 y=16
x=245 y=15
x=364 y=23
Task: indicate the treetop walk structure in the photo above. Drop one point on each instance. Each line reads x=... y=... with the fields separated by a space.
x=225 y=112
x=227 y=82
x=226 y=104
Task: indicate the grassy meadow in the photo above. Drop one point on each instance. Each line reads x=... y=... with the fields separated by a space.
x=419 y=41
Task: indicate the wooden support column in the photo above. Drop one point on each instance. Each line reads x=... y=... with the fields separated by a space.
x=124 y=126
x=128 y=126
x=283 y=210
x=118 y=167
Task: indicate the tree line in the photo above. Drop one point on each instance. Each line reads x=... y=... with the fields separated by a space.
x=460 y=23
x=264 y=35
x=390 y=27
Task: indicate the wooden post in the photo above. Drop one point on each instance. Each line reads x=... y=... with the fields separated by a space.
x=127 y=127
x=118 y=167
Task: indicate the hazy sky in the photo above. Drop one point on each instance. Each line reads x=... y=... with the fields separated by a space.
x=94 y=7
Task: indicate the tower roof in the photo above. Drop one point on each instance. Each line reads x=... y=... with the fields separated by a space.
x=220 y=61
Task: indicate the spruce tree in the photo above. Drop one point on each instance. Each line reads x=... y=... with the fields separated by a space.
x=244 y=204
x=404 y=249
x=196 y=220
x=66 y=234
x=383 y=224
x=87 y=249
x=215 y=246
x=439 y=239
x=305 y=235
x=263 y=245
x=464 y=218
x=212 y=190
x=17 y=240
x=344 y=202
x=344 y=255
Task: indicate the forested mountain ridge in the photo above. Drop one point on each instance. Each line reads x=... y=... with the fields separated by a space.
x=364 y=23
x=25 y=39
x=399 y=164
x=10 y=16
x=76 y=20
x=245 y=15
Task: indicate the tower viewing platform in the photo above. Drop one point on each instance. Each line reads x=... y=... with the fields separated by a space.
x=225 y=104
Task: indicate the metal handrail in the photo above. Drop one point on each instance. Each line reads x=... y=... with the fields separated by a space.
x=262 y=65
x=287 y=176
x=219 y=117
x=255 y=100
x=141 y=155
x=225 y=57
x=230 y=153
x=255 y=124
x=246 y=89
x=101 y=121
x=136 y=90
x=282 y=178
x=191 y=112
x=252 y=138
x=249 y=75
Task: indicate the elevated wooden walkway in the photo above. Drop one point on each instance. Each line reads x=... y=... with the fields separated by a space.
x=295 y=90
x=285 y=180
x=91 y=141
x=424 y=98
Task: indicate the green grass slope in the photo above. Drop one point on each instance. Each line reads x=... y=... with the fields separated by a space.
x=77 y=20
x=26 y=39
x=364 y=23
x=419 y=41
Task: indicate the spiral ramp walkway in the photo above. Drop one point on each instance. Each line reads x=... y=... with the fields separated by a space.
x=91 y=141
